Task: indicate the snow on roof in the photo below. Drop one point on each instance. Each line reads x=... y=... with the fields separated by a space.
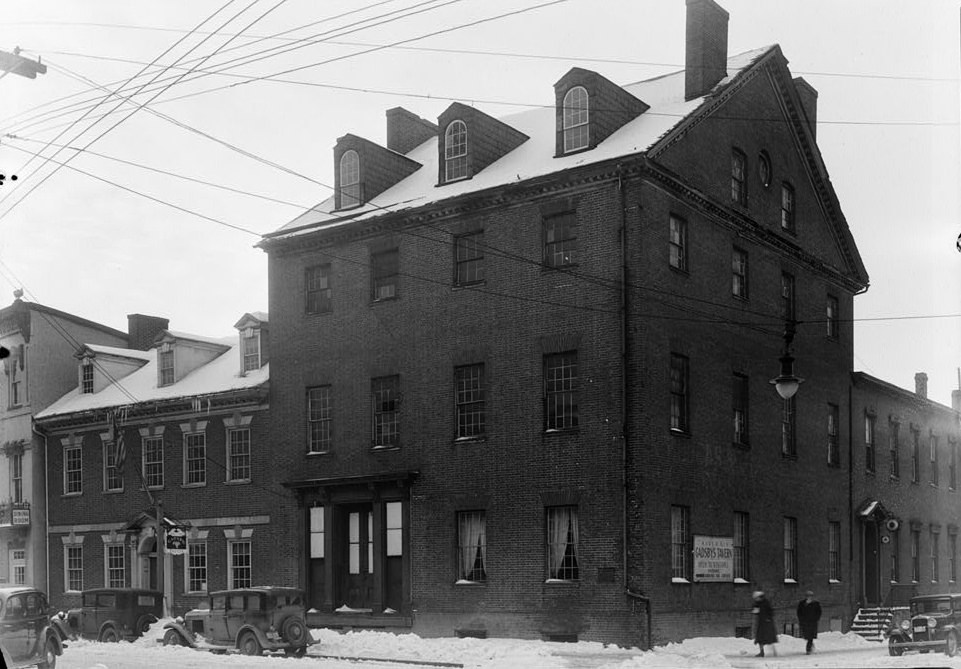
x=533 y=158
x=222 y=374
x=221 y=341
x=122 y=352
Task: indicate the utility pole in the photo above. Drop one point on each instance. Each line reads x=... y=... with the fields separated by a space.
x=14 y=62
x=161 y=547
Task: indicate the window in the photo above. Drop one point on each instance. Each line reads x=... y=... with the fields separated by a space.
x=933 y=447
x=18 y=563
x=834 y=448
x=681 y=549
x=317 y=283
x=894 y=439
x=316 y=532
x=394 y=530
x=166 y=364
x=869 y=459
x=742 y=567
x=469 y=259
x=788 y=441
x=196 y=566
x=318 y=419
x=469 y=401
x=385 y=394
x=790 y=549
x=455 y=151
x=787 y=207
x=562 y=543
x=738 y=171
x=112 y=477
x=935 y=571
x=787 y=296
x=15 y=375
x=153 y=461
x=678 y=243
x=349 y=179
x=384 y=274
x=116 y=574
x=576 y=118
x=915 y=456
x=952 y=464
x=471 y=546
x=238 y=454
x=834 y=550
x=251 y=349
x=679 y=393
x=73 y=568
x=72 y=470
x=764 y=168
x=560 y=391
x=86 y=377
x=739 y=274
x=740 y=409
x=831 y=317
x=916 y=555
x=953 y=557
x=16 y=476
x=239 y=556
x=560 y=240
x=895 y=556
x=195 y=458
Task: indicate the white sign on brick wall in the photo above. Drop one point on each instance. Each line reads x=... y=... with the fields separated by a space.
x=713 y=559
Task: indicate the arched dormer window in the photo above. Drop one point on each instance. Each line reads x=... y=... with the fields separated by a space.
x=576 y=118
x=349 y=179
x=455 y=151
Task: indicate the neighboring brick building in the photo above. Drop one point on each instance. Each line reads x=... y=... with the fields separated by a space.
x=192 y=412
x=521 y=365
x=907 y=505
x=40 y=368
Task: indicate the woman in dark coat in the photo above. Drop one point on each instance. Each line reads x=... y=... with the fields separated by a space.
x=808 y=614
x=765 y=633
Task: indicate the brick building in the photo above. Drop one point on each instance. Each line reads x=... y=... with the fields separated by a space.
x=174 y=429
x=906 y=502
x=40 y=368
x=521 y=365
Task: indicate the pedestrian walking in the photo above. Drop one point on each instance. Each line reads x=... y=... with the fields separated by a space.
x=765 y=633
x=809 y=614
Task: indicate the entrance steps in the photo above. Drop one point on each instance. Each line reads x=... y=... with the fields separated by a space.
x=872 y=622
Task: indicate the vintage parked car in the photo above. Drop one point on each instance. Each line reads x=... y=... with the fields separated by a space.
x=25 y=632
x=248 y=620
x=111 y=614
x=934 y=624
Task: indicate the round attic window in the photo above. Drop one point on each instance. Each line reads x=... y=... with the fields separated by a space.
x=764 y=169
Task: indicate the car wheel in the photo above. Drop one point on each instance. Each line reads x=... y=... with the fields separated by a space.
x=951 y=644
x=109 y=635
x=294 y=631
x=173 y=638
x=249 y=645
x=49 y=655
x=144 y=623
x=893 y=651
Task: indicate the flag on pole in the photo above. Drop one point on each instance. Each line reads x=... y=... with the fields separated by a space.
x=120 y=451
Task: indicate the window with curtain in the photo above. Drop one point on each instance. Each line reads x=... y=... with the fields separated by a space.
x=472 y=546
x=562 y=543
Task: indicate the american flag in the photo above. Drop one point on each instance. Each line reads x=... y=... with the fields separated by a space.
x=121 y=450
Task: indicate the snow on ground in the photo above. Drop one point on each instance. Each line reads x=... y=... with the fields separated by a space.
x=833 y=650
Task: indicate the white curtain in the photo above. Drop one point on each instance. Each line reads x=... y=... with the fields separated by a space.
x=560 y=525
x=472 y=542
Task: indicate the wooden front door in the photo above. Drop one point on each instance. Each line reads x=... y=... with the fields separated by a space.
x=356 y=542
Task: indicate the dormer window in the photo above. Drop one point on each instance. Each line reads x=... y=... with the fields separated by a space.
x=576 y=118
x=250 y=342
x=165 y=363
x=455 y=151
x=349 y=179
x=86 y=376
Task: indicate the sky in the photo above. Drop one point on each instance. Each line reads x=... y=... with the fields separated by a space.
x=160 y=206
x=832 y=649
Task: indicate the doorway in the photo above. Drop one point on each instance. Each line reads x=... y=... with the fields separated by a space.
x=356 y=575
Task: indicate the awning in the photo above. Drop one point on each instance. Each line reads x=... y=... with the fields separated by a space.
x=872 y=510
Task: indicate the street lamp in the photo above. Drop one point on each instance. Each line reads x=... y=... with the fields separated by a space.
x=786 y=383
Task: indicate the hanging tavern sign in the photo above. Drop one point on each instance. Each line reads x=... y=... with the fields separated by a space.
x=713 y=559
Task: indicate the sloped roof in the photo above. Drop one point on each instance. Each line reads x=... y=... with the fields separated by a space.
x=533 y=158
x=222 y=374
x=122 y=352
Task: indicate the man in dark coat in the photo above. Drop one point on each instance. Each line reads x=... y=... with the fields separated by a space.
x=765 y=633
x=808 y=614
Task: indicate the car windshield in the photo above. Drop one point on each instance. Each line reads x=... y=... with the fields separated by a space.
x=931 y=606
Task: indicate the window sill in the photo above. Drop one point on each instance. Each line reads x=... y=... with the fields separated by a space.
x=318 y=313
x=561 y=430
x=468 y=286
x=72 y=494
x=193 y=485
x=113 y=492
x=311 y=454
x=237 y=482
x=461 y=583
x=894 y=479
x=678 y=270
x=560 y=581
x=557 y=268
x=681 y=581
x=834 y=581
x=680 y=433
x=471 y=440
x=383 y=300
x=741 y=581
x=381 y=449
x=790 y=581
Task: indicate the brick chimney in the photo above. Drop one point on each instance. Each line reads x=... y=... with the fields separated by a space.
x=921 y=384
x=809 y=103
x=141 y=330
x=705 y=61
x=406 y=130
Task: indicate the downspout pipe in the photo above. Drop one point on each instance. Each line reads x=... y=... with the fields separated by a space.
x=46 y=507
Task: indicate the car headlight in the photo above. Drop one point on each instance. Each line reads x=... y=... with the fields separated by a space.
x=905 y=625
x=932 y=623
